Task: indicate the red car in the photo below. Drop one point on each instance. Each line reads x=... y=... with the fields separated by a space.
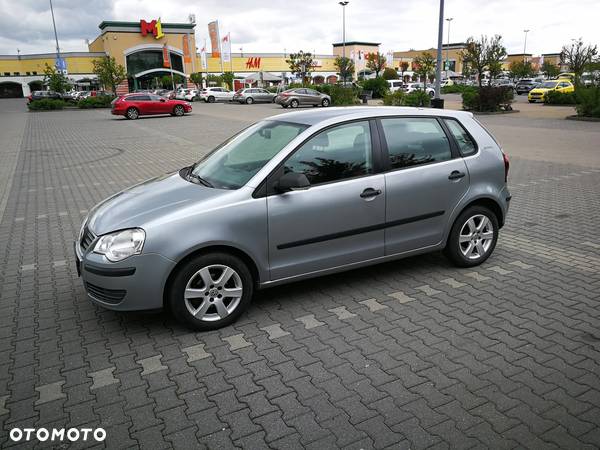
x=134 y=105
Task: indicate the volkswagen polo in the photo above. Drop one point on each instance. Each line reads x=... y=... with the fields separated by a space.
x=295 y=196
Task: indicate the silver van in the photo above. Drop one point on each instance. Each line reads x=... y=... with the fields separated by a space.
x=295 y=196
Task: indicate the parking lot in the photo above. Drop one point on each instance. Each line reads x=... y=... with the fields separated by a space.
x=409 y=354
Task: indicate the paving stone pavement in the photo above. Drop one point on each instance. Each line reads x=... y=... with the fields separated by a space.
x=409 y=354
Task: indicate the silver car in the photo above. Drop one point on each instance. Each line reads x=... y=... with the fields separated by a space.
x=296 y=196
x=253 y=95
x=302 y=96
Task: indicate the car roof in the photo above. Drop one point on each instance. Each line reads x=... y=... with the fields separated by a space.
x=316 y=116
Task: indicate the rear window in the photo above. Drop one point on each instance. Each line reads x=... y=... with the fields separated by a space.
x=465 y=142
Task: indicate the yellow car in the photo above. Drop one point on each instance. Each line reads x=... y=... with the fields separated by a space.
x=539 y=92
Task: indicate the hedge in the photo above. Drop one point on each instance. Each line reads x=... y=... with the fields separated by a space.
x=46 y=104
x=102 y=101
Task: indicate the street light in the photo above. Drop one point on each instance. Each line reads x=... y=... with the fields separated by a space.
x=525 y=45
x=343 y=4
x=437 y=101
x=448 y=19
x=55 y=35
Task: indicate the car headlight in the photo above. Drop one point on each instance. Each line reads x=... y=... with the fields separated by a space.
x=121 y=244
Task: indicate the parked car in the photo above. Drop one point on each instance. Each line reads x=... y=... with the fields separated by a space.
x=295 y=196
x=524 y=85
x=39 y=95
x=134 y=105
x=503 y=82
x=216 y=94
x=181 y=93
x=411 y=87
x=192 y=95
x=302 y=96
x=539 y=92
x=395 y=85
x=253 y=95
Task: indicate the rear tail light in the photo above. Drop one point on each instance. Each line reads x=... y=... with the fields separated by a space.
x=506 y=166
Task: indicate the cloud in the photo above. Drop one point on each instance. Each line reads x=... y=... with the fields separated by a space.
x=273 y=26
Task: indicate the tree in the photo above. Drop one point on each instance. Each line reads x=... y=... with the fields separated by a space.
x=403 y=68
x=197 y=78
x=550 y=69
x=345 y=67
x=483 y=54
x=56 y=81
x=424 y=67
x=375 y=62
x=520 y=69
x=228 y=79
x=577 y=56
x=109 y=73
x=390 y=74
x=301 y=64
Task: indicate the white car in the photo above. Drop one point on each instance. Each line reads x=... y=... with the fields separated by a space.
x=411 y=87
x=395 y=85
x=191 y=95
x=181 y=93
x=216 y=94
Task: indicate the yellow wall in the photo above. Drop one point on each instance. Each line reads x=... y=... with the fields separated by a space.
x=272 y=63
x=454 y=54
x=75 y=65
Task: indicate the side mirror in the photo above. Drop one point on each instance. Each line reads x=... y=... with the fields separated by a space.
x=292 y=181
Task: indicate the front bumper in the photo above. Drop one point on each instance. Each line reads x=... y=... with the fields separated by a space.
x=136 y=283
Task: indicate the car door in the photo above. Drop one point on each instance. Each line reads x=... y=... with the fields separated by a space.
x=339 y=219
x=262 y=95
x=302 y=95
x=314 y=97
x=425 y=180
x=155 y=106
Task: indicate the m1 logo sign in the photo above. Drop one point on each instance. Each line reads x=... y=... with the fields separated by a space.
x=253 y=63
x=154 y=28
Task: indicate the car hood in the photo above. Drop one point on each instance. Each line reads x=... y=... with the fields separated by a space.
x=539 y=90
x=148 y=201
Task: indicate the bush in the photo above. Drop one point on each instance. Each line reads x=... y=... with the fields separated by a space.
x=379 y=87
x=390 y=74
x=102 y=101
x=394 y=99
x=417 y=98
x=560 y=98
x=488 y=99
x=46 y=104
x=588 y=101
x=456 y=89
x=340 y=95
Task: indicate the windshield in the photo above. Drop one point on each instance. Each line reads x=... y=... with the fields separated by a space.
x=549 y=84
x=233 y=163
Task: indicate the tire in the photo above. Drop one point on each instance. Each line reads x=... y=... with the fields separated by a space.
x=132 y=113
x=249 y=101
x=294 y=103
x=431 y=94
x=178 y=111
x=211 y=99
x=467 y=245
x=212 y=310
x=325 y=103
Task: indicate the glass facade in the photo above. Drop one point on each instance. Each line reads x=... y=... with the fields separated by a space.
x=151 y=59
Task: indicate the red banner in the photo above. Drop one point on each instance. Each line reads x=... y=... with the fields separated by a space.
x=187 y=57
x=166 y=60
x=213 y=33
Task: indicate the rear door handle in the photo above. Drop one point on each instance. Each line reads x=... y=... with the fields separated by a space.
x=455 y=175
x=370 y=192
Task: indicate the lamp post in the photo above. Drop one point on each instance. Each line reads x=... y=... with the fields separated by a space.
x=525 y=46
x=55 y=35
x=343 y=4
x=437 y=101
x=448 y=19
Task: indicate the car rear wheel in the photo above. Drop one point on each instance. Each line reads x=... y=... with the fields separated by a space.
x=178 y=111
x=249 y=101
x=325 y=103
x=210 y=291
x=294 y=103
x=211 y=99
x=473 y=237
x=132 y=113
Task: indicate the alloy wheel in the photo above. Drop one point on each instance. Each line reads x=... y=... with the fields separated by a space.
x=476 y=237
x=213 y=292
x=179 y=110
x=132 y=113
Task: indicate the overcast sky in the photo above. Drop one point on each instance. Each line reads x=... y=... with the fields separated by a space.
x=275 y=25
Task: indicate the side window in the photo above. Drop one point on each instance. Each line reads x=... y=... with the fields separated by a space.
x=301 y=91
x=465 y=143
x=414 y=141
x=334 y=154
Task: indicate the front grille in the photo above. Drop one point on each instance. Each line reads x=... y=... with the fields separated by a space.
x=112 y=296
x=86 y=239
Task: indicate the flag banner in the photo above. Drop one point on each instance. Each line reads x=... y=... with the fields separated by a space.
x=166 y=60
x=226 y=48
x=203 y=60
x=213 y=33
x=187 y=56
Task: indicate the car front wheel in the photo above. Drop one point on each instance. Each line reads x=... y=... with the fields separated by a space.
x=325 y=103
x=473 y=237
x=178 y=111
x=210 y=291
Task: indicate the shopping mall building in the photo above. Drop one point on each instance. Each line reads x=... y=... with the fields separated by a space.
x=144 y=47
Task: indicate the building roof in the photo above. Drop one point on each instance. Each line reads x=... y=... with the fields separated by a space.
x=371 y=44
x=112 y=23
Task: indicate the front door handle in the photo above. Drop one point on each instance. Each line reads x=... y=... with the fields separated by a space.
x=370 y=192
x=455 y=175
